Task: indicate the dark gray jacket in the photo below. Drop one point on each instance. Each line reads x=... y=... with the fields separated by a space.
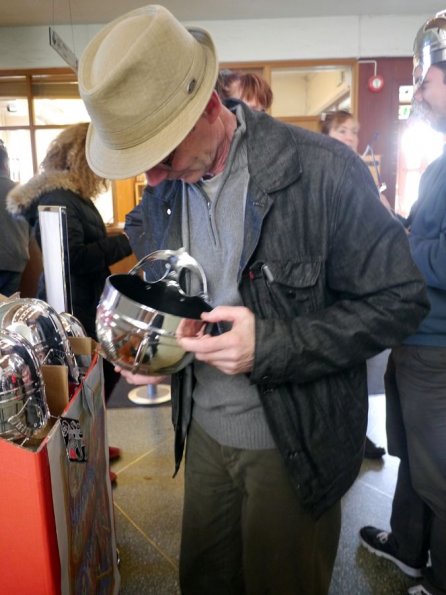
x=15 y=234
x=329 y=276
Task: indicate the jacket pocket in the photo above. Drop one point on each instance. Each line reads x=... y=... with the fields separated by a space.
x=296 y=287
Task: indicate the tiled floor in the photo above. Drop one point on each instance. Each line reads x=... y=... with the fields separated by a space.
x=148 y=508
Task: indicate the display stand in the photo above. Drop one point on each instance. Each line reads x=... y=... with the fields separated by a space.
x=150 y=394
x=55 y=255
x=57 y=527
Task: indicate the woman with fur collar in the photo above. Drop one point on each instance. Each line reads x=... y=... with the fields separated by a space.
x=67 y=180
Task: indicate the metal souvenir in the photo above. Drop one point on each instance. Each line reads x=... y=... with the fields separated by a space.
x=429 y=47
x=23 y=406
x=40 y=324
x=72 y=325
x=138 y=322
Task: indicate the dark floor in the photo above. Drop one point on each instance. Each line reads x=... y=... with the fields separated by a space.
x=148 y=505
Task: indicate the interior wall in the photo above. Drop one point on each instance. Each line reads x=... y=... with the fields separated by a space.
x=324 y=88
x=242 y=40
x=290 y=93
x=378 y=114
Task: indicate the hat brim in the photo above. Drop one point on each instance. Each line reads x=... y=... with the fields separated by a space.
x=118 y=164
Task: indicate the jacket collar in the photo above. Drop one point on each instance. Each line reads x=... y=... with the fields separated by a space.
x=273 y=153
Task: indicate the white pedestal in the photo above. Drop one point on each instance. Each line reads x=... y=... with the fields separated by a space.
x=150 y=394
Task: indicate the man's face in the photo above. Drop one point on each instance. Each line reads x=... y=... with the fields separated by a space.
x=194 y=157
x=431 y=96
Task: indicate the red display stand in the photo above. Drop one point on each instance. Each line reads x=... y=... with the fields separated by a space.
x=56 y=516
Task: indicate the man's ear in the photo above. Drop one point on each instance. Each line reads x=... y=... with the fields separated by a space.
x=213 y=108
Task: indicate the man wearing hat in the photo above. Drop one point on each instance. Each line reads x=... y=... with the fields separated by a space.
x=308 y=276
x=416 y=373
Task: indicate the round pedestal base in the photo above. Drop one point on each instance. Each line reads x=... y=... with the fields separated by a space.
x=150 y=394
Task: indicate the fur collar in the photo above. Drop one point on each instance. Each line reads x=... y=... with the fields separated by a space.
x=21 y=197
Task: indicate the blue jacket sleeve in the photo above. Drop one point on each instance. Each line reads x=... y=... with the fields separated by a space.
x=429 y=255
x=427 y=224
x=134 y=228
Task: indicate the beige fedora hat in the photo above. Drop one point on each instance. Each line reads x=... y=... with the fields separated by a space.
x=145 y=80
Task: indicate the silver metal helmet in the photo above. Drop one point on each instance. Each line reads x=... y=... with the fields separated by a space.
x=23 y=405
x=429 y=47
x=40 y=324
x=72 y=325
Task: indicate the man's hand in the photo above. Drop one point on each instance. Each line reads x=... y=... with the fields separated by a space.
x=231 y=352
x=140 y=378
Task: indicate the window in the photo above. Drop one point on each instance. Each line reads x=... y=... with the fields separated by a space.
x=34 y=107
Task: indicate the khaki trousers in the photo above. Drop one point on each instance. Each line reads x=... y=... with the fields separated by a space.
x=244 y=530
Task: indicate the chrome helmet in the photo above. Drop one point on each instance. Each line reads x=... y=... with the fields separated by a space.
x=429 y=47
x=40 y=324
x=72 y=325
x=23 y=405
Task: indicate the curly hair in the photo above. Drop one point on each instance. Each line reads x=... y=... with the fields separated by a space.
x=334 y=120
x=251 y=86
x=67 y=153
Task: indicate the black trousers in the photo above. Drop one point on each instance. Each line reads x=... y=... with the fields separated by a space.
x=415 y=383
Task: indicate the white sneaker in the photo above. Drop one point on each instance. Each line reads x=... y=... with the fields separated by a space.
x=418 y=590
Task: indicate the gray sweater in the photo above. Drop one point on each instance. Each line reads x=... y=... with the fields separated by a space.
x=227 y=407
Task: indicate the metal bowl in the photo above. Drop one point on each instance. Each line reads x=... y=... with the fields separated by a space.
x=23 y=406
x=40 y=324
x=137 y=322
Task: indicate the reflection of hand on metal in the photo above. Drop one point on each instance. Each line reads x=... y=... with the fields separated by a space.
x=190 y=328
x=231 y=352
x=140 y=378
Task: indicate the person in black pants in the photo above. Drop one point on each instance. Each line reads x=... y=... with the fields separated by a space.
x=415 y=380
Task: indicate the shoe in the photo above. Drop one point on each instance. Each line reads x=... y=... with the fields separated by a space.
x=113 y=477
x=377 y=542
x=372 y=451
x=418 y=590
x=113 y=453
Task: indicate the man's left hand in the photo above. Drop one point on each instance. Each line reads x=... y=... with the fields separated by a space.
x=231 y=352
